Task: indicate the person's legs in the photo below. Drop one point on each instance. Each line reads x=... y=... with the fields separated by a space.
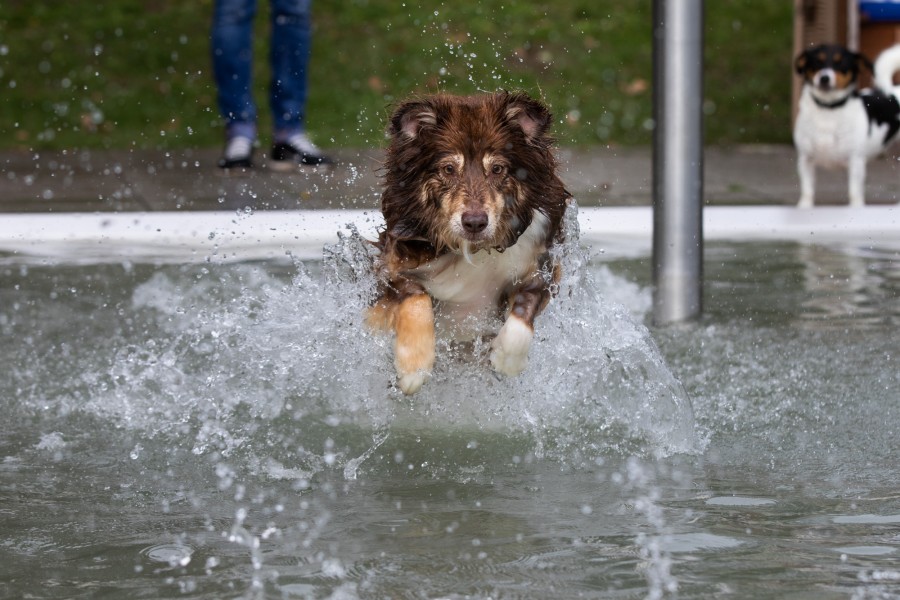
x=289 y=59
x=232 y=59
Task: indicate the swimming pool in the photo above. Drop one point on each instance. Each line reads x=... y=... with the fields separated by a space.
x=204 y=426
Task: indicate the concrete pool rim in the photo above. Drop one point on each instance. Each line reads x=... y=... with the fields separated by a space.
x=237 y=235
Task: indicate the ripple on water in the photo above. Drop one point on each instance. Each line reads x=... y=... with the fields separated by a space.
x=698 y=542
x=867 y=519
x=739 y=501
x=174 y=555
x=866 y=550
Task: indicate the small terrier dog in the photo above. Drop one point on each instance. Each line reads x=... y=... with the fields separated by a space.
x=472 y=205
x=838 y=125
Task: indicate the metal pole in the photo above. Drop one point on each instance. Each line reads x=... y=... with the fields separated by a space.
x=677 y=159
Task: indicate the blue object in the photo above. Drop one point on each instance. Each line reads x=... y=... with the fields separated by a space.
x=880 y=10
x=232 y=57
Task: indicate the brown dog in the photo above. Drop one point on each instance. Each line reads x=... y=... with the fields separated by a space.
x=472 y=204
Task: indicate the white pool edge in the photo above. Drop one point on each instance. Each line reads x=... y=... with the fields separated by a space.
x=228 y=236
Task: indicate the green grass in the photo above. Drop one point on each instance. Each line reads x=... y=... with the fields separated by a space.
x=136 y=73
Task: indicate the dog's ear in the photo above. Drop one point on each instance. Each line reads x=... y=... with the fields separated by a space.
x=863 y=62
x=407 y=230
x=409 y=118
x=800 y=63
x=532 y=116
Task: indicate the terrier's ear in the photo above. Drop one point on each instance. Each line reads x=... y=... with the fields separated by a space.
x=863 y=62
x=410 y=117
x=800 y=63
x=532 y=116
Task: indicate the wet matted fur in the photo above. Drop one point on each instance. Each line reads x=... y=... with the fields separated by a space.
x=472 y=205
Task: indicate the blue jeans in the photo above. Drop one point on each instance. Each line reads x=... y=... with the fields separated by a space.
x=232 y=59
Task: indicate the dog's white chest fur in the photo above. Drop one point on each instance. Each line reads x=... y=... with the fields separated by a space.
x=830 y=137
x=468 y=292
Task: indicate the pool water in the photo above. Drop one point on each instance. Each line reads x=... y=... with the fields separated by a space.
x=228 y=430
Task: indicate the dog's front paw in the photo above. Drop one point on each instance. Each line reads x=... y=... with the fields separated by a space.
x=414 y=345
x=805 y=202
x=410 y=383
x=509 y=350
x=413 y=366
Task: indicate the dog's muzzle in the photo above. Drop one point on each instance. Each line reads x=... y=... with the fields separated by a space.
x=824 y=79
x=474 y=222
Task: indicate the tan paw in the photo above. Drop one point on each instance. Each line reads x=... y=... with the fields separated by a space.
x=414 y=363
x=411 y=383
x=414 y=345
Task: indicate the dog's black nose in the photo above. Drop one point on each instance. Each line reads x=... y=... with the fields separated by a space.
x=825 y=80
x=474 y=221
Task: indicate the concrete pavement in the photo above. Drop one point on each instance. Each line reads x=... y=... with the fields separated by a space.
x=150 y=181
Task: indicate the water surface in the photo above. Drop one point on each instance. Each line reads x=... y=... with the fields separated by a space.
x=226 y=431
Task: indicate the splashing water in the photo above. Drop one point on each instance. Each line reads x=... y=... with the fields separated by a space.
x=292 y=363
x=205 y=429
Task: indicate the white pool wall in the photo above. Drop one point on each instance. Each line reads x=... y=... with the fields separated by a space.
x=229 y=236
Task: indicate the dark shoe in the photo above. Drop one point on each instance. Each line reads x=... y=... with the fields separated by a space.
x=238 y=153
x=296 y=152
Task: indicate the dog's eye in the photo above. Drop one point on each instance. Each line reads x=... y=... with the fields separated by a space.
x=449 y=169
x=498 y=169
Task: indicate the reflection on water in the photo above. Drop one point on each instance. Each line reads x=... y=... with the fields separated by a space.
x=859 y=283
x=814 y=286
x=224 y=431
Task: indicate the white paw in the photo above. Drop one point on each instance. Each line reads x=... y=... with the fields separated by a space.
x=805 y=202
x=410 y=383
x=509 y=350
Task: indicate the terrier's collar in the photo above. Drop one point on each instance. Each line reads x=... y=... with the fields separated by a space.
x=836 y=103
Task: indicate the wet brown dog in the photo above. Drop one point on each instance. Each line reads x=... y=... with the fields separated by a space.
x=472 y=204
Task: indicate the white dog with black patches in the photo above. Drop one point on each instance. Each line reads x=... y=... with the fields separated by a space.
x=839 y=125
